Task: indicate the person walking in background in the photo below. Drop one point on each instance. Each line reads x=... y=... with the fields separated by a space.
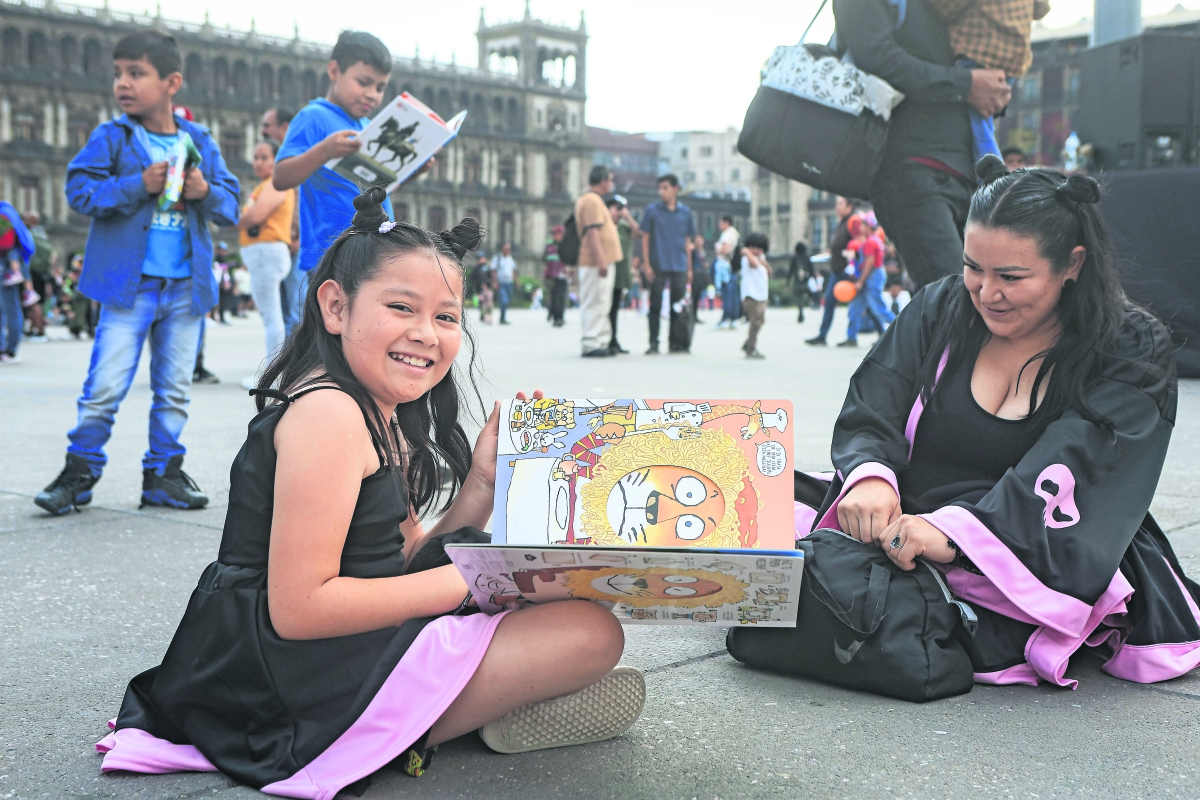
x=265 y=233
x=756 y=278
x=599 y=251
x=504 y=269
x=926 y=178
x=1014 y=158
x=274 y=126
x=701 y=277
x=485 y=285
x=839 y=240
x=668 y=228
x=39 y=275
x=723 y=275
x=16 y=248
x=275 y=122
x=800 y=270
x=150 y=269
x=555 y=276
x=870 y=278
x=627 y=230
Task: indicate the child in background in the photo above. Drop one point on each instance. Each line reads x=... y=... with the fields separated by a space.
x=756 y=278
x=16 y=248
x=347 y=638
x=148 y=267
x=241 y=290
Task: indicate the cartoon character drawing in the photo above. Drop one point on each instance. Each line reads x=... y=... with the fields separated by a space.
x=676 y=420
x=753 y=615
x=639 y=588
x=771 y=595
x=396 y=140
x=767 y=577
x=645 y=613
x=696 y=616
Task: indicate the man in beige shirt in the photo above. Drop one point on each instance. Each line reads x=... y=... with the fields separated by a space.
x=599 y=250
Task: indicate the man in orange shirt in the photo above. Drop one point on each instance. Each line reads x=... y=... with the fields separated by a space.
x=599 y=250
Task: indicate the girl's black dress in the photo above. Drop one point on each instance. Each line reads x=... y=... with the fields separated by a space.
x=263 y=709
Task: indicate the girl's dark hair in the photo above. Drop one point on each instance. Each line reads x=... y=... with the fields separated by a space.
x=423 y=433
x=271 y=143
x=1060 y=214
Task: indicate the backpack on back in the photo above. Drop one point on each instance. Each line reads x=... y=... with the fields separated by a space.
x=568 y=248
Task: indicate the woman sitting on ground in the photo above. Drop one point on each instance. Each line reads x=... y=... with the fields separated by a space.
x=329 y=637
x=1011 y=427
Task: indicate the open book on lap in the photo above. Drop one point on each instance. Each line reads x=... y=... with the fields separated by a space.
x=645 y=585
x=400 y=139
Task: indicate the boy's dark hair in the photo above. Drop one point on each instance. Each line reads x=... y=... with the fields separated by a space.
x=155 y=46
x=759 y=240
x=284 y=115
x=355 y=46
x=598 y=175
x=425 y=438
x=1012 y=151
x=670 y=178
x=727 y=218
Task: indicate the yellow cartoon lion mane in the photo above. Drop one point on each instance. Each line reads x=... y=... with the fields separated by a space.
x=579 y=582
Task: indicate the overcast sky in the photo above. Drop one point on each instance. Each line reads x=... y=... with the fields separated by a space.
x=653 y=65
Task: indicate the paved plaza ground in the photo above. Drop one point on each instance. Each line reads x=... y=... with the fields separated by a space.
x=89 y=600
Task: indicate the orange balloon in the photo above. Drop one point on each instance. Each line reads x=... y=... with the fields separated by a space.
x=844 y=291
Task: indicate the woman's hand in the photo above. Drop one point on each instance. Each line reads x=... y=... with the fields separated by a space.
x=483 y=460
x=868 y=509
x=910 y=537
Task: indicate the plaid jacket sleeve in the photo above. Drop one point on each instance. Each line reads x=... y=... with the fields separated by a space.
x=94 y=186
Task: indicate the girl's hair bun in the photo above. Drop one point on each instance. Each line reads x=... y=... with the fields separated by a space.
x=464 y=237
x=1080 y=189
x=368 y=209
x=990 y=168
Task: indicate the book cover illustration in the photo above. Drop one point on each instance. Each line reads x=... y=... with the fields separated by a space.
x=663 y=586
x=666 y=473
x=401 y=137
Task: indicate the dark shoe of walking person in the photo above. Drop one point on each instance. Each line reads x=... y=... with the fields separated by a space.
x=848 y=343
x=615 y=348
x=653 y=351
x=204 y=376
x=70 y=490
x=816 y=340
x=601 y=352
x=173 y=489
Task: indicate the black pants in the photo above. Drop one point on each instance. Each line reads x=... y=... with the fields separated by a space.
x=677 y=338
x=923 y=211
x=617 y=298
x=558 y=298
x=700 y=281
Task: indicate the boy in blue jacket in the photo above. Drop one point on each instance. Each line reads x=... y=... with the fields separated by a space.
x=150 y=270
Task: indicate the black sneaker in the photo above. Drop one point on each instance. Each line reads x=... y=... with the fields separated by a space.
x=70 y=490
x=204 y=376
x=653 y=351
x=816 y=340
x=174 y=488
x=848 y=343
x=600 y=352
x=616 y=349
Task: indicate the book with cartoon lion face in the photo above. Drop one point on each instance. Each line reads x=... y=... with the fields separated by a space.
x=645 y=473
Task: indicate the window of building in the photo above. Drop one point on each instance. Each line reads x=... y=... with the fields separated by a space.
x=1031 y=87
x=557 y=178
x=437 y=218
x=39 y=51
x=497 y=114
x=220 y=75
x=12 y=48
x=241 y=79
x=764 y=175
x=689 y=176
x=30 y=196
x=473 y=170
x=709 y=176
x=403 y=212
x=25 y=127
x=514 y=120
x=193 y=73
x=93 y=58
x=683 y=152
x=232 y=144
x=287 y=85
x=735 y=175
x=508 y=226
x=706 y=152
x=68 y=54
x=818 y=234
x=1071 y=84
x=507 y=172
x=1031 y=119
x=266 y=82
x=308 y=85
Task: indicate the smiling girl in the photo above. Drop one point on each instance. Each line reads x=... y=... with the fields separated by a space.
x=332 y=636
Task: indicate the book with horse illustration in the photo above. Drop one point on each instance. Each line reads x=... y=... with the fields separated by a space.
x=640 y=585
x=638 y=473
x=400 y=139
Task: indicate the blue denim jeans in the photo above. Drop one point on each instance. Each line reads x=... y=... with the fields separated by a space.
x=12 y=318
x=869 y=302
x=504 y=297
x=162 y=312
x=830 y=305
x=731 y=299
x=291 y=298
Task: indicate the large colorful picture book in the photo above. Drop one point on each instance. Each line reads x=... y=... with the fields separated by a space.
x=400 y=139
x=643 y=585
x=632 y=473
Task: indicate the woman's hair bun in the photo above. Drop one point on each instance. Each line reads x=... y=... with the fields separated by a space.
x=368 y=209
x=990 y=168
x=1080 y=189
x=464 y=237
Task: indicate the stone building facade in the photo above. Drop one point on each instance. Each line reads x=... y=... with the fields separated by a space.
x=519 y=161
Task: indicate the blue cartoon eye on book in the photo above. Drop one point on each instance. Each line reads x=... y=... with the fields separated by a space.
x=657 y=473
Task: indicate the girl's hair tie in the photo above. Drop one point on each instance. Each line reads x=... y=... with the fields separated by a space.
x=387 y=226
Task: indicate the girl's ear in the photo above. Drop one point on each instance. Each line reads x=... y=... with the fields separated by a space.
x=335 y=307
x=1075 y=263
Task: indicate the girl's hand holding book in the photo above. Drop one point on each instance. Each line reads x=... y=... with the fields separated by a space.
x=483 y=460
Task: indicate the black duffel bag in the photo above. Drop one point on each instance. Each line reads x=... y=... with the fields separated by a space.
x=864 y=623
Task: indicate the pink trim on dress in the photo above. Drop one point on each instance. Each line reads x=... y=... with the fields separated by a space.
x=804 y=516
x=1154 y=662
x=1045 y=606
x=870 y=469
x=914 y=416
x=1021 y=673
x=430 y=675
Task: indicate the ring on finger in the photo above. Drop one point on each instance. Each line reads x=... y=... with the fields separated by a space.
x=895 y=543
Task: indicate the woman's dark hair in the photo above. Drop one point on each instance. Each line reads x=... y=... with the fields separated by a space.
x=424 y=432
x=271 y=143
x=1060 y=214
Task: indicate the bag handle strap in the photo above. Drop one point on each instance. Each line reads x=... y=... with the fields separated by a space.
x=813 y=21
x=876 y=600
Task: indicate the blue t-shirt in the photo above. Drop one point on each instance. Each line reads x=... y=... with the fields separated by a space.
x=169 y=243
x=326 y=198
x=669 y=232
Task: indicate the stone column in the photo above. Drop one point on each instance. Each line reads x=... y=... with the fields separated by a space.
x=48 y=124
x=251 y=141
x=5 y=122
x=62 y=125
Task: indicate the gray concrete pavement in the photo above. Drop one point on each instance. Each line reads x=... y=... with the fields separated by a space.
x=89 y=600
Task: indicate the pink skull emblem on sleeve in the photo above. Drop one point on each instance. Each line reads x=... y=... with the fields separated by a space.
x=1056 y=485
